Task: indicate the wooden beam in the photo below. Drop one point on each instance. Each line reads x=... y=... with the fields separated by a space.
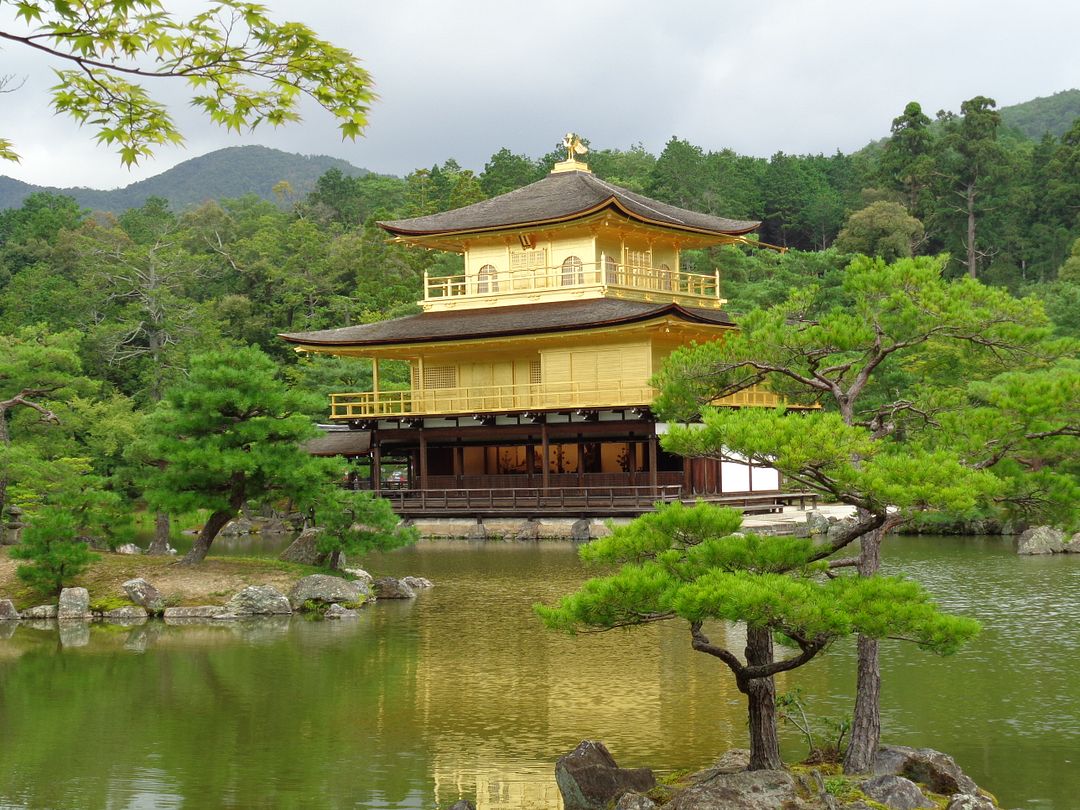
x=545 y=461
x=654 y=483
x=423 y=461
x=376 y=463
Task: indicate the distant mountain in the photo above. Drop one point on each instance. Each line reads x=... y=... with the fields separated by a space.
x=1053 y=114
x=231 y=172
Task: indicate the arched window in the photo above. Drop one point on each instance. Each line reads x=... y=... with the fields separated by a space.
x=611 y=270
x=487 y=280
x=571 y=272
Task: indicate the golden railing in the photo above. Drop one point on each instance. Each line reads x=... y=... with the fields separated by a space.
x=565 y=277
x=502 y=398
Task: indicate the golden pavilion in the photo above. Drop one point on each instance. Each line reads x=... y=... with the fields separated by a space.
x=530 y=370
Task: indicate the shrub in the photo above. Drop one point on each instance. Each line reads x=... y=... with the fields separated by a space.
x=56 y=553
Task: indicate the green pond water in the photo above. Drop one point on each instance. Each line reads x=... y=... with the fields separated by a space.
x=460 y=693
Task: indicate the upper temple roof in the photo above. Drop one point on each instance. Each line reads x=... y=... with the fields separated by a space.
x=559 y=197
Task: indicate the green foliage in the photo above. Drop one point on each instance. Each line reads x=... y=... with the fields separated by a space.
x=882 y=229
x=243 y=68
x=356 y=523
x=230 y=433
x=1051 y=115
x=56 y=554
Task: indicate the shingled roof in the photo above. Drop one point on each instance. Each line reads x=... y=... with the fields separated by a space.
x=558 y=197
x=523 y=319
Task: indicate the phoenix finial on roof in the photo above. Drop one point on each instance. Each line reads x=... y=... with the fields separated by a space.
x=574 y=146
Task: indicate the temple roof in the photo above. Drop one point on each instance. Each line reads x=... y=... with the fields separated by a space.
x=558 y=197
x=525 y=319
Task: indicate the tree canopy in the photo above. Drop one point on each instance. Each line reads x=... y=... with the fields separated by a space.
x=243 y=68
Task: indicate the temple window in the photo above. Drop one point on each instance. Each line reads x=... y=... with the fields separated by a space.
x=487 y=280
x=572 y=272
x=611 y=270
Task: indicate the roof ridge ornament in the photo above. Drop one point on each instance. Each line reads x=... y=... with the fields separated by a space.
x=574 y=146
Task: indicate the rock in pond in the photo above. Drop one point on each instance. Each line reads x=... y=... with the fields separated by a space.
x=589 y=779
x=74 y=604
x=1073 y=546
x=303 y=549
x=635 y=801
x=938 y=771
x=418 y=583
x=143 y=594
x=965 y=801
x=201 y=612
x=40 y=612
x=128 y=613
x=327 y=590
x=258 y=600
x=8 y=613
x=528 y=532
x=390 y=588
x=581 y=531
x=463 y=804
x=339 y=612
x=896 y=792
x=745 y=790
x=1041 y=540
x=363 y=576
x=817 y=523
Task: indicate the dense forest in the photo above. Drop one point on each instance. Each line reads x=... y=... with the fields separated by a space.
x=114 y=306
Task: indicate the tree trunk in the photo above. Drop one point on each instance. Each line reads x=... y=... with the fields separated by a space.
x=971 y=229
x=5 y=440
x=866 y=722
x=210 y=530
x=761 y=702
x=161 y=534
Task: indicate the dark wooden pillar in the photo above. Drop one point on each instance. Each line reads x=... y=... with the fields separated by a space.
x=580 y=462
x=687 y=475
x=376 y=463
x=545 y=461
x=654 y=476
x=423 y=461
x=631 y=461
x=459 y=464
x=530 y=463
x=750 y=474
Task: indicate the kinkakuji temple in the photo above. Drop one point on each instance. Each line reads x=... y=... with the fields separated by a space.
x=530 y=371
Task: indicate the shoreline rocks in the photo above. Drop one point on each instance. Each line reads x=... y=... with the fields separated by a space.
x=1047 y=540
x=328 y=590
x=589 y=779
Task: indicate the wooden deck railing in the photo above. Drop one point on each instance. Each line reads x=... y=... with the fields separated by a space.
x=562 y=277
x=524 y=499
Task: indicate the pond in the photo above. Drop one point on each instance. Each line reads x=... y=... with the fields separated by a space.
x=461 y=693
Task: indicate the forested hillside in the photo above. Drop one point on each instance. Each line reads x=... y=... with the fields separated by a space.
x=226 y=173
x=100 y=314
x=1049 y=115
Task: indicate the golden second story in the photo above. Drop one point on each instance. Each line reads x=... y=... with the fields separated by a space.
x=570 y=236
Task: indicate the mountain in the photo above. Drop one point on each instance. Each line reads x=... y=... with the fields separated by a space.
x=1051 y=114
x=231 y=172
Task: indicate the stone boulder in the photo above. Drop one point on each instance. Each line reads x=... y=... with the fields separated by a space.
x=128 y=613
x=581 y=531
x=143 y=594
x=74 y=604
x=418 y=583
x=303 y=550
x=40 y=612
x=238 y=526
x=339 y=612
x=327 y=590
x=745 y=790
x=8 y=613
x=390 y=588
x=200 y=612
x=965 y=801
x=733 y=761
x=363 y=576
x=896 y=792
x=817 y=523
x=589 y=779
x=528 y=532
x=128 y=548
x=938 y=771
x=1073 y=546
x=1041 y=540
x=635 y=801
x=258 y=600
x=477 y=533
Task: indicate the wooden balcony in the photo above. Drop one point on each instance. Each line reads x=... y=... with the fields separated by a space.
x=514 y=398
x=539 y=283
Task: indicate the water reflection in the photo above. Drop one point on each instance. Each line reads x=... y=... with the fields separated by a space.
x=460 y=693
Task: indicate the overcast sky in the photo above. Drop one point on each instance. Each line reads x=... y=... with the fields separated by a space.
x=463 y=79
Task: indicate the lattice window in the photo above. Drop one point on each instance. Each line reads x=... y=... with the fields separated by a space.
x=665 y=277
x=611 y=270
x=440 y=377
x=487 y=279
x=638 y=259
x=572 y=271
x=524 y=260
x=534 y=372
